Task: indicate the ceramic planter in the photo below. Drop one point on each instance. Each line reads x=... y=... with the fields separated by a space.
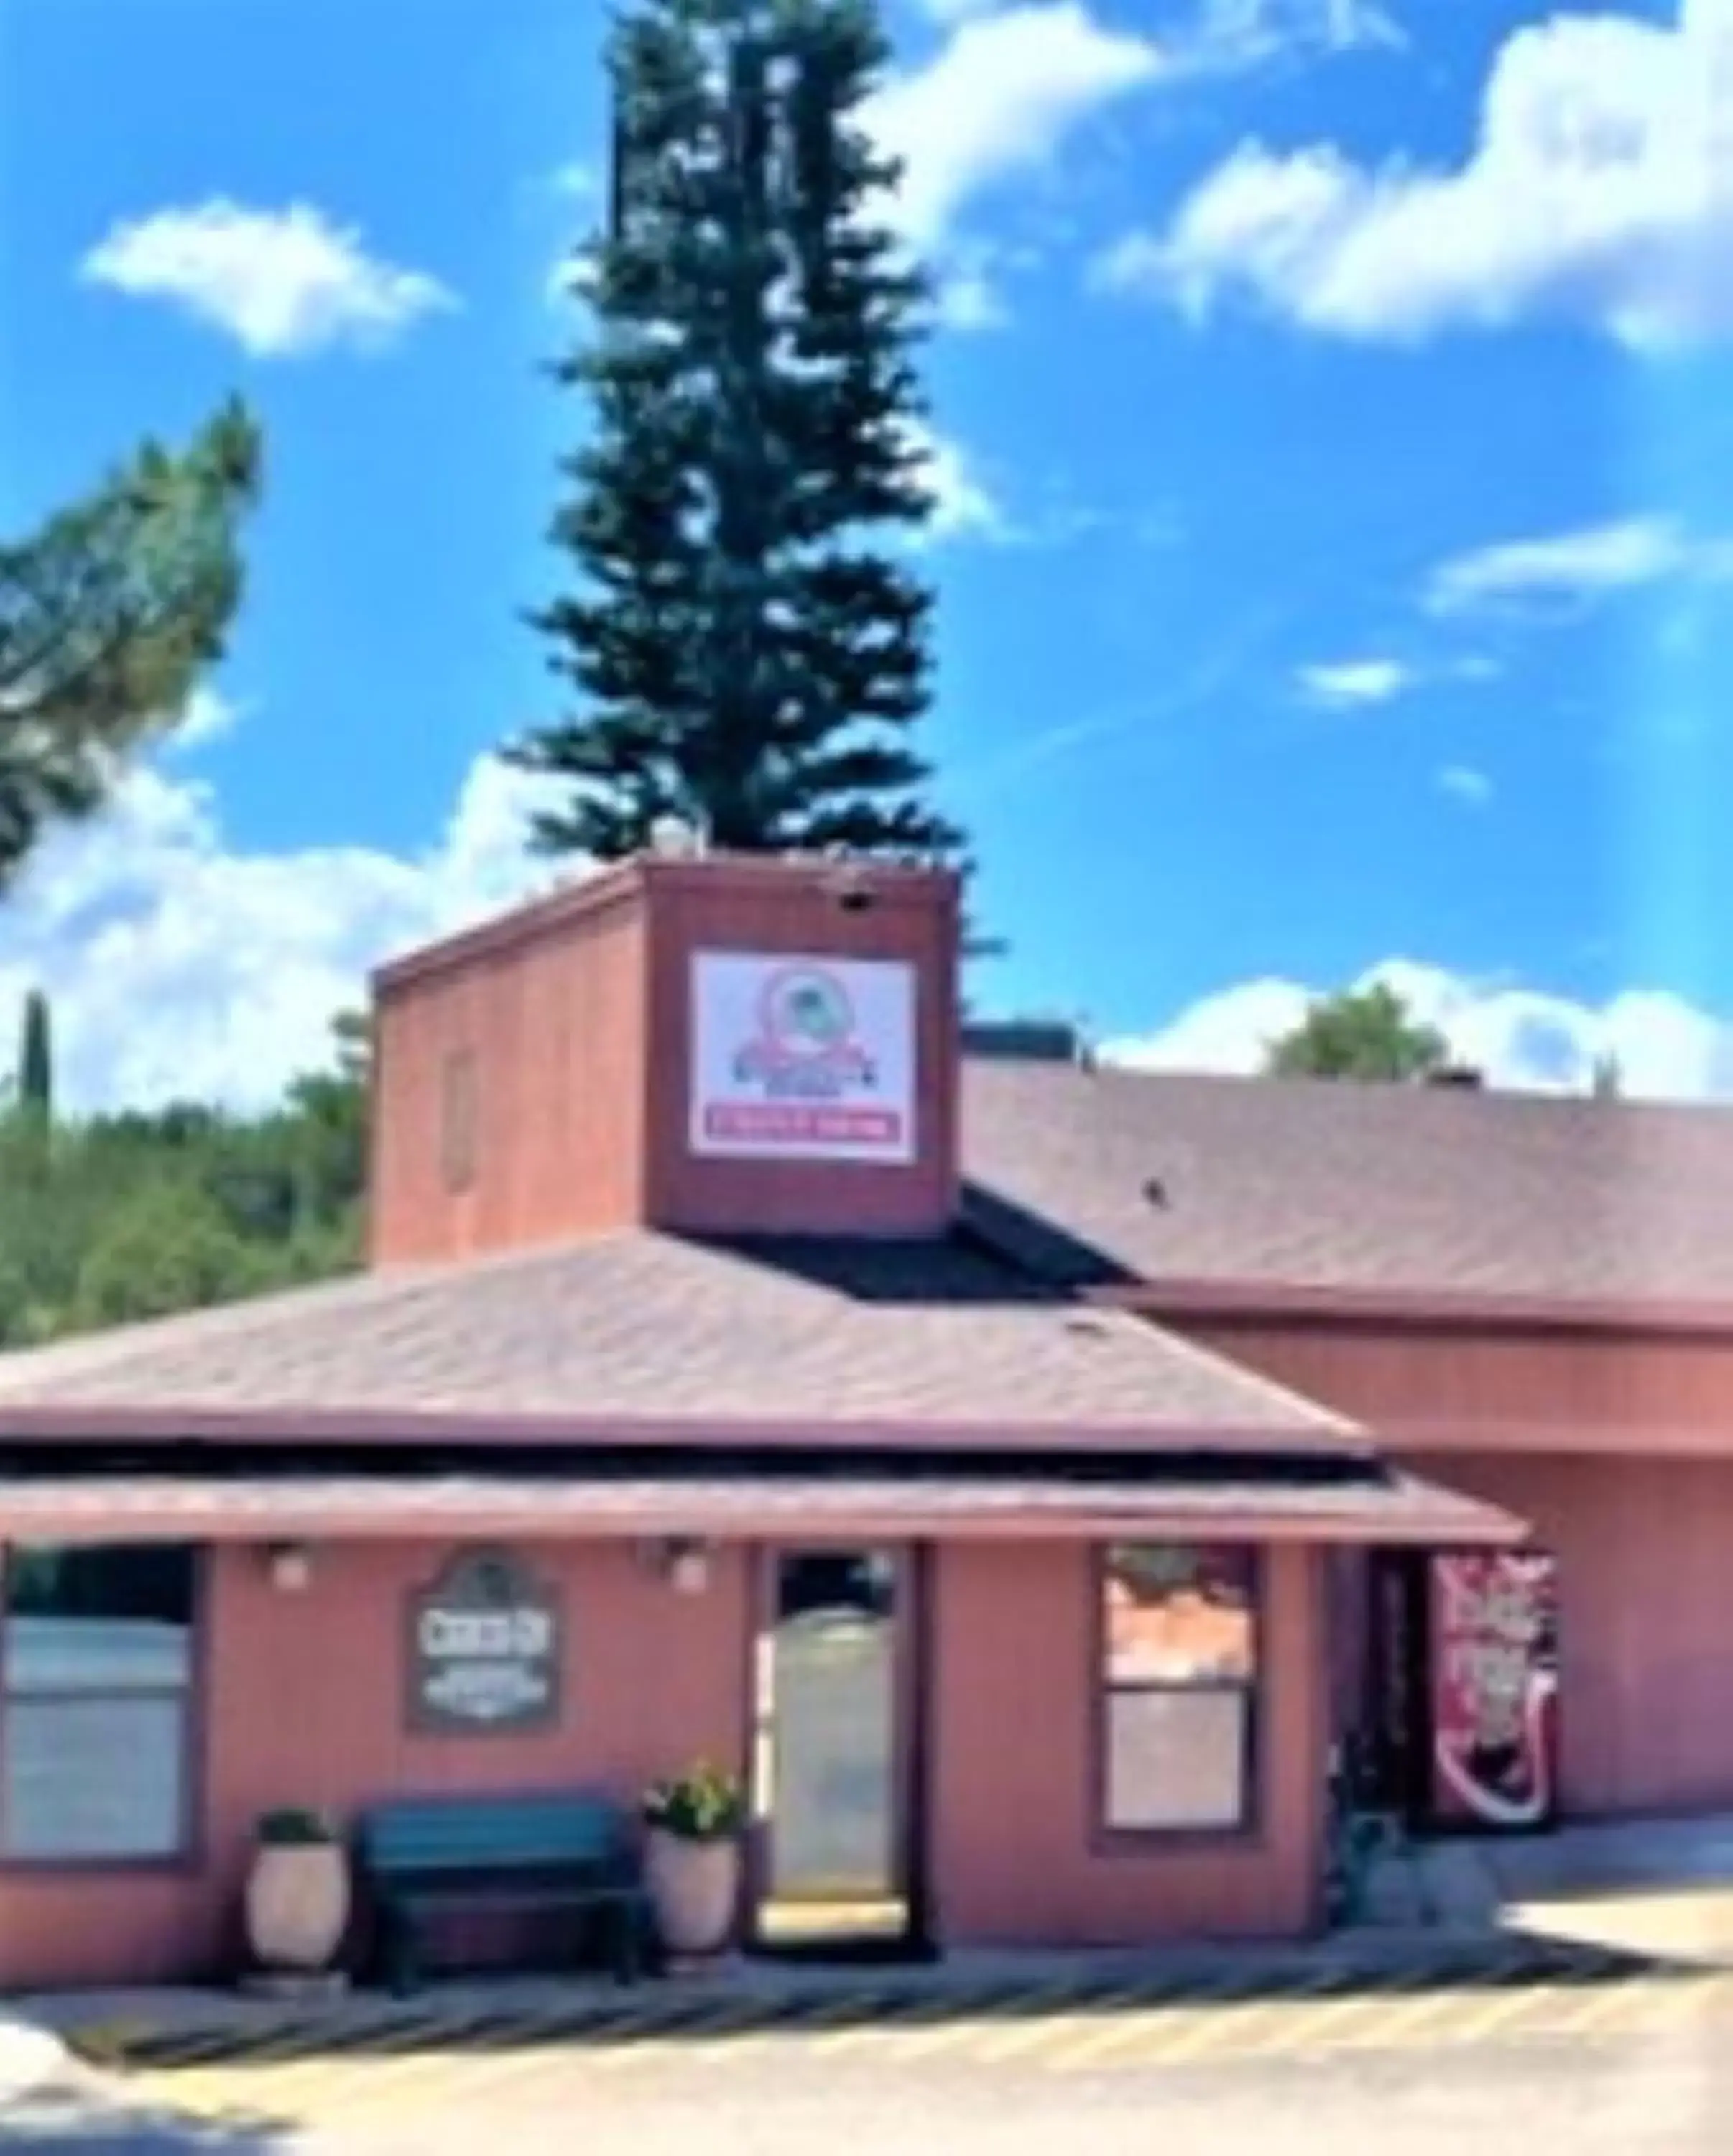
x=694 y=1888
x=297 y=1904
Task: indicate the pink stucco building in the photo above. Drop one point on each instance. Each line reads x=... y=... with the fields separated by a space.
x=1015 y=1469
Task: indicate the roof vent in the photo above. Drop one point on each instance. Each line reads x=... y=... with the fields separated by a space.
x=848 y=885
x=1023 y=1040
x=1457 y=1077
x=1155 y=1192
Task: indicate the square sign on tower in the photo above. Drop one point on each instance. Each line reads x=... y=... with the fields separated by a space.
x=802 y=1058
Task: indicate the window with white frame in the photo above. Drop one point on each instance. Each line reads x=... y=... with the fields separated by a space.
x=96 y=1676
x=1179 y=1673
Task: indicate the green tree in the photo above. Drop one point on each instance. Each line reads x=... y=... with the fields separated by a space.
x=1606 y=1080
x=109 y=613
x=167 y=1247
x=1363 y=1033
x=36 y=1061
x=747 y=661
x=141 y=1212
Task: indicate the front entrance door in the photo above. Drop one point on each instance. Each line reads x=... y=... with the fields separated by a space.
x=831 y=1768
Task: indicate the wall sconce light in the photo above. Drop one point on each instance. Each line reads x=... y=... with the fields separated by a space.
x=289 y=1565
x=681 y=1561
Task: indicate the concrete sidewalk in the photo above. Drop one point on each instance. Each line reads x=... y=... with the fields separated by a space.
x=1584 y=1904
x=190 y=2027
x=1661 y=1887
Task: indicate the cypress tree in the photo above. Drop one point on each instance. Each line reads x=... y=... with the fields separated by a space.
x=747 y=660
x=36 y=1061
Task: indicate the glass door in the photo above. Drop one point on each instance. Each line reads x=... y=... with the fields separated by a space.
x=830 y=1766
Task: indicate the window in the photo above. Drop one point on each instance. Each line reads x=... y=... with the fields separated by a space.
x=96 y=1692
x=456 y=1131
x=1179 y=1645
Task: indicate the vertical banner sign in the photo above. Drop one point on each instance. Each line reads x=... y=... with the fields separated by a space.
x=483 y=1648
x=802 y=1058
x=1495 y=1689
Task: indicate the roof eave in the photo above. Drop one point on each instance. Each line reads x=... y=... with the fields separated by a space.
x=1454 y=1309
x=71 y=1422
x=78 y=1512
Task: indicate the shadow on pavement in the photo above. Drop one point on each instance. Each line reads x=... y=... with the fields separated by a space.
x=467 y=2019
x=93 y=2117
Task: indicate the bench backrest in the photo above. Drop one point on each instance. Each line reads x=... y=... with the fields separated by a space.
x=434 y=1835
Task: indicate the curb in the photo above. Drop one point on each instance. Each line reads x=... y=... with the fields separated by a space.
x=376 y=2026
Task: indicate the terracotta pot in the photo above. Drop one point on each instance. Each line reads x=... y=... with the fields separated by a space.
x=297 y=1904
x=694 y=1886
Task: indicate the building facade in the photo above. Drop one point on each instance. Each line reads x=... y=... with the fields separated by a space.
x=737 y=1375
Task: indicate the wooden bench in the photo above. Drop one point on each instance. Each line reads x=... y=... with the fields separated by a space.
x=425 y=1857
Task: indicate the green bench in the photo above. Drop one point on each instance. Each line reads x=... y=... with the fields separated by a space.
x=426 y=1857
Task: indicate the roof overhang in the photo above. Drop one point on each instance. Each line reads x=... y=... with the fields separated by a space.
x=1384 y=1508
x=70 y=1423
x=1454 y=1310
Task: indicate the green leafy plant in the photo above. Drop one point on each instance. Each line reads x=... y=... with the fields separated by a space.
x=703 y=1804
x=296 y=1827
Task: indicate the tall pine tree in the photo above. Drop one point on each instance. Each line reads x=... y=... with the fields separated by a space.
x=747 y=660
x=109 y=613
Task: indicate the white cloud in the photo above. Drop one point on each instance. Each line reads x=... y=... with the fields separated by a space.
x=281 y=282
x=999 y=97
x=1599 y=189
x=1242 y=34
x=577 y=178
x=1464 y=783
x=968 y=299
x=1246 y=33
x=181 y=967
x=1666 y=1048
x=964 y=505
x=1573 y=567
x=1347 y=684
x=209 y=716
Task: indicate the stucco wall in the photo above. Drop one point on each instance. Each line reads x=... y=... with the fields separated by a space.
x=575 y=1020
x=554 y=1025
x=1645 y=1620
x=304 y=1704
x=1014 y=1855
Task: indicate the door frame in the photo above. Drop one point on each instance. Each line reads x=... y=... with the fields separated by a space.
x=912 y=1599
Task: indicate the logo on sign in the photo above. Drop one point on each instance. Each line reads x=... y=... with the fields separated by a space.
x=483 y=1644
x=804 y=1058
x=807 y=1045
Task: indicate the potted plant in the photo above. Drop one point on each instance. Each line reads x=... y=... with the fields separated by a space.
x=297 y=1896
x=692 y=1858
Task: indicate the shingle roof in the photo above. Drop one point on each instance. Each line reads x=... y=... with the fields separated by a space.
x=646 y=1327
x=1307 y=1183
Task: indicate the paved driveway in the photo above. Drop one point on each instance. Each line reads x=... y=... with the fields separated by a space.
x=1639 y=2064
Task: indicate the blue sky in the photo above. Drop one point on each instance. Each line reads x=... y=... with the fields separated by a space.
x=1331 y=429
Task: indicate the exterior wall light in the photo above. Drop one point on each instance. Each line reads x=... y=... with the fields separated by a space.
x=289 y=1566
x=685 y=1564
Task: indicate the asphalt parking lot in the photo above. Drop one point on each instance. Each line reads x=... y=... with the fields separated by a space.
x=1637 y=2061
